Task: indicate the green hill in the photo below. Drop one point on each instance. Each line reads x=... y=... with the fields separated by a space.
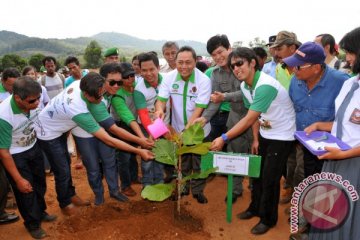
x=11 y=42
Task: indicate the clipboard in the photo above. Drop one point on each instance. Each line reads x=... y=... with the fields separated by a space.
x=322 y=138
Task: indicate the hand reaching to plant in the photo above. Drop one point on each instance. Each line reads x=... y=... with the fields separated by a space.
x=217 y=144
x=146 y=155
x=146 y=143
x=200 y=120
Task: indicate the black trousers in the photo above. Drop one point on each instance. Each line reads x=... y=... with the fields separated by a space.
x=266 y=188
x=312 y=164
x=3 y=189
x=30 y=165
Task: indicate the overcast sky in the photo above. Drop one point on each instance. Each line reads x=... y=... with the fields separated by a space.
x=241 y=20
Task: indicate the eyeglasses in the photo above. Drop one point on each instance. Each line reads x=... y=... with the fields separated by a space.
x=32 y=101
x=113 y=82
x=237 y=64
x=129 y=76
x=301 y=67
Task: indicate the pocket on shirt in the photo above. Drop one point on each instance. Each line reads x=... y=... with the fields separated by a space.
x=323 y=113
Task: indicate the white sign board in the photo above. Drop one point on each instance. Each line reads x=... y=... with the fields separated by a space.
x=231 y=164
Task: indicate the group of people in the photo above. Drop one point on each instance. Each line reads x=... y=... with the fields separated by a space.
x=243 y=104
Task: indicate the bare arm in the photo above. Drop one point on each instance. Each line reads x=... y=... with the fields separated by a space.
x=136 y=128
x=255 y=132
x=123 y=134
x=160 y=108
x=322 y=126
x=196 y=114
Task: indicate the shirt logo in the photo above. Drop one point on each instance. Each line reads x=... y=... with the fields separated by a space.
x=175 y=86
x=194 y=89
x=70 y=91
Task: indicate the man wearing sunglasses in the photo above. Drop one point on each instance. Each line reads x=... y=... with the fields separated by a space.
x=313 y=90
x=21 y=155
x=270 y=108
x=71 y=108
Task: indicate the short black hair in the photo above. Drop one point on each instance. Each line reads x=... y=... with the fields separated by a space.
x=91 y=83
x=351 y=43
x=113 y=67
x=72 y=59
x=327 y=39
x=260 y=52
x=48 y=59
x=10 y=73
x=149 y=56
x=201 y=66
x=217 y=41
x=187 y=49
x=25 y=86
x=246 y=53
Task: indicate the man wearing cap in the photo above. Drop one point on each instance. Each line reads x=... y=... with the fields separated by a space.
x=285 y=45
x=313 y=90
x=269 y=67
x=111 y=55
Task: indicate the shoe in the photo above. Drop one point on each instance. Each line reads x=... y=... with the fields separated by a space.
x=260 y=228
x=69 y=210
x=48 y=218
x=245 y=215
x=6 y=218
x=286 y=195
x=234 y=197
x=299 y=236
x=119 y=196
x=37 y=233
x=129 y=192
x=200 y=197
x=77 y=201
x=99 y=199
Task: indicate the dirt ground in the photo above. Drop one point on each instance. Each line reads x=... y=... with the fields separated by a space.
x=141 y=219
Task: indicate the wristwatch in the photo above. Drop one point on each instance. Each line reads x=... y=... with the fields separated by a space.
x=225 y=138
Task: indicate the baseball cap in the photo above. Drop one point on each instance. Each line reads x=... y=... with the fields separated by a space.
x=309 y=52
x=271 y=40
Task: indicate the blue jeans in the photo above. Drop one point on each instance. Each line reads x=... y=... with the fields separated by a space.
x=93 y=151
x=30 y=165
x=57 y=153
x=123 y=160
x=152 y=171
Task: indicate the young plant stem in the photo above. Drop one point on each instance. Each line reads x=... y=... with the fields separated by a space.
x=178 y=180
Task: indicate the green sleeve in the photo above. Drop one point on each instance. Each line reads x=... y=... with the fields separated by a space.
x=6 y=134
x=87 y=122
x=121 y=109
x=209 y=71
x=99 y=111
x=139 y=100
x=264 y=95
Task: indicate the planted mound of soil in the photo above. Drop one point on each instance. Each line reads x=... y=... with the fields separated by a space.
x=134 y=220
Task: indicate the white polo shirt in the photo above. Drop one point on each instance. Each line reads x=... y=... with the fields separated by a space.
x=64 y=112
x=185 y=96
x=269 y=97
x=16 y=127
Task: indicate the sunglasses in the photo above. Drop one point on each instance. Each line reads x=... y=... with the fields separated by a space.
x=301 y=67
x=32 y=101
x=129 y=76
x=237 y=64
x=113 y=82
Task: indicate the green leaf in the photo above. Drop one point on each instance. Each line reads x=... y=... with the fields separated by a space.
x=193 y=135
x=201 y=149
x=165 y=152
x=203 y=174
x=158 y=192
